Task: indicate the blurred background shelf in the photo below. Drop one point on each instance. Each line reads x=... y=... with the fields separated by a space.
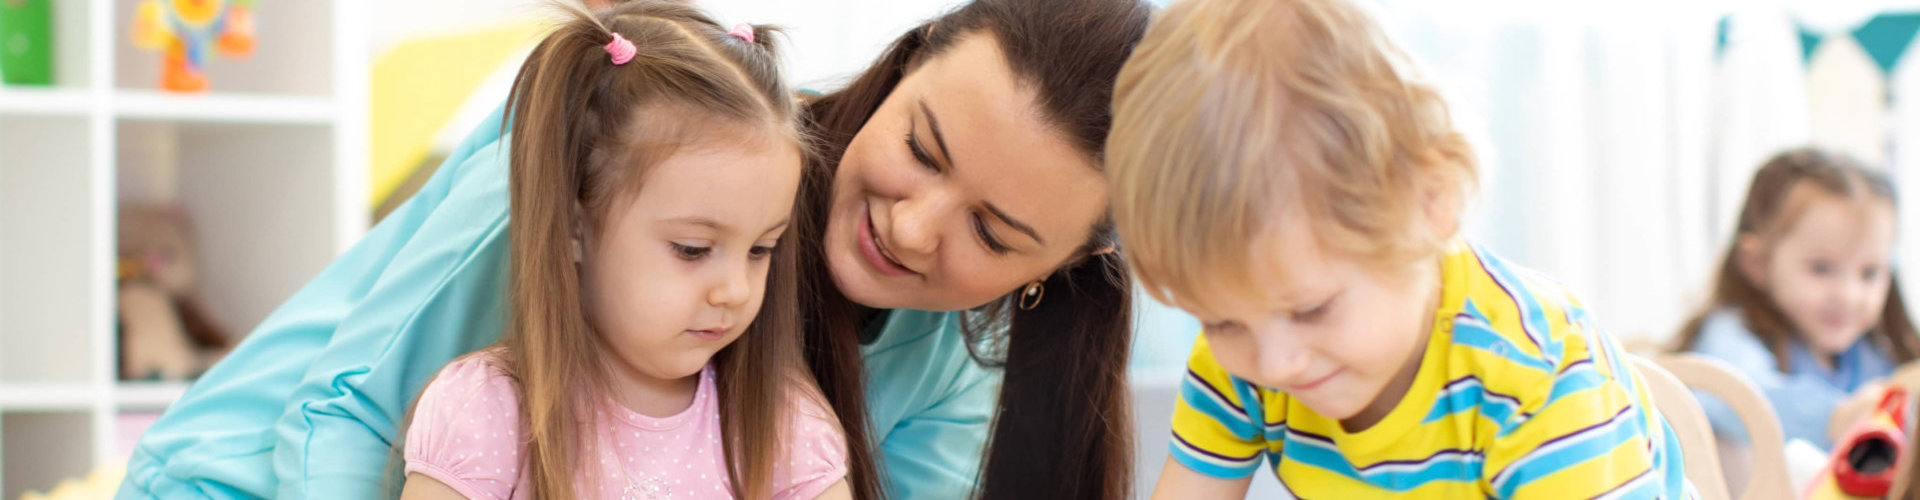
x=147 y=396
x=223 y=108
x=268 y=168
x=158 y=105
x=47 y=397
x=45 y=101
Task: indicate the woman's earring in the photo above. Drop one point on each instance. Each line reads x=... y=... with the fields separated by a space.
x=1030 y=298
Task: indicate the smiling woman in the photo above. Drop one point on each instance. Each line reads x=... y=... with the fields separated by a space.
x=935 y=213
x=962 y=172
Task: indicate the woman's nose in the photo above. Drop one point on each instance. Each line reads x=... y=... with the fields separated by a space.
x=914 y=229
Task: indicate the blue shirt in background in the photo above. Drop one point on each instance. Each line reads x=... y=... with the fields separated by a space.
x=1804 y=396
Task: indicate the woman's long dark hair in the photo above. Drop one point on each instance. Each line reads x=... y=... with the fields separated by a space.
x=1062 y=429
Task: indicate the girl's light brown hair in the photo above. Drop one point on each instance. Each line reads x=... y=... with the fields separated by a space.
x=1232 y=111
x=1775 y=201
x=583 y=131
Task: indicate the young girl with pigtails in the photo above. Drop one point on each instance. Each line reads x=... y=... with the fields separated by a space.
x=652 y=344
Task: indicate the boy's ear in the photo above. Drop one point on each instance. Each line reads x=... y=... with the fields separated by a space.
x=1751 y=255
x=1441 y=203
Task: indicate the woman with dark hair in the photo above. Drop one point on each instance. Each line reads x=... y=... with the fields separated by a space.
x=967 y=306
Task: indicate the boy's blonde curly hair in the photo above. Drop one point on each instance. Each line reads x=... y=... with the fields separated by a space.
x=1232 y=112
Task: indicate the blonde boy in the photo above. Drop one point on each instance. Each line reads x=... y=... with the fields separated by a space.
x=1279 y=172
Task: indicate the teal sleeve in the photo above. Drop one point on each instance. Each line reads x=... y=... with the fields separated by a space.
x=306 y=406
x=936 y=453
x=442 y=296
x=930 y=404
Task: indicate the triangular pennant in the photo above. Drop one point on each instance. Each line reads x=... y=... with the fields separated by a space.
x=1887 y=36
x=1809 y=41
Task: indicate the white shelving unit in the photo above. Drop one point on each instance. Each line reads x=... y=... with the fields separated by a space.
x=223 y=108
x=25 y=101
x=271 y=167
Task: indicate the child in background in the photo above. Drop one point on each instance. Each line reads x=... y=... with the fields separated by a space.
x=652 y=344
x=1806 y=304
x=1279 y=172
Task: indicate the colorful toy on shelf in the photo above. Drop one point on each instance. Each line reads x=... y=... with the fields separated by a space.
x=26 y=42
x=187 y=30
x=1866 y=459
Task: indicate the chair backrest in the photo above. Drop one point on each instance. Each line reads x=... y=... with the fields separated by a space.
x=1689 y=424
x=1767 y=478
x=1907 y=376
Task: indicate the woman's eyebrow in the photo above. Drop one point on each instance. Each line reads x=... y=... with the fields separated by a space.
x=938 y=138
x=1015 y=224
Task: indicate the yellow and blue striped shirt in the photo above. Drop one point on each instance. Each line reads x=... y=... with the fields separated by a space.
x=1519 y=394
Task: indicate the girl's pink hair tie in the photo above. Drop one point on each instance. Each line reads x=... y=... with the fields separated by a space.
x=621 y=49
x=742 y=31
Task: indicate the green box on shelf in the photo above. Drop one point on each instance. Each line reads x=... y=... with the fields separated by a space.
x=26 y=42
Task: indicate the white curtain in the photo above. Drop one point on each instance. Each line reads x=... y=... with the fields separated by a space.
x=1616 y=145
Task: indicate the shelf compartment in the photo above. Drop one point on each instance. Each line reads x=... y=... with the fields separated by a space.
x=46 y=244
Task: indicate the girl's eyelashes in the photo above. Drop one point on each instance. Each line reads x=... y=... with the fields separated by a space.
x=1826 y=268
x=1872 y=272
x=690 y=252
